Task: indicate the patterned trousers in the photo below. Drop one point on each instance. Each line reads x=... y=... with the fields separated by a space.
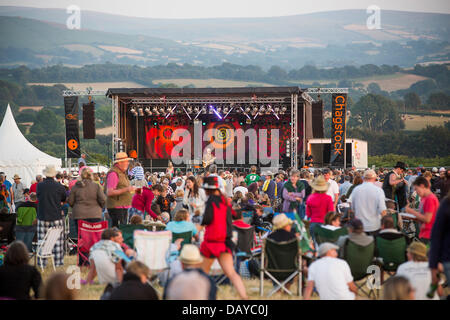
x=58 y=250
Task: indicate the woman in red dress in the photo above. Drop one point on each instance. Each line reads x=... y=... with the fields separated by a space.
x=217 y=241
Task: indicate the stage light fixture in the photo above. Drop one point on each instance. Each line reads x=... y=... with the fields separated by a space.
x=141 y=111
x=133 y=111
x=155 y=123
x=196 y=109
x=189 y=109
x=204 y=110
x=204 y=123
x=284 y=109
x=277 y=109
x=148 y=111
x=226 y=109
x=262 y=109
x=247 y=110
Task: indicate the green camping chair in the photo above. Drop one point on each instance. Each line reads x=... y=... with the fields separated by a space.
x=390 y=254
x=128 y=231
x=359 y=258
x=284 y=262
x=327 y=235
x=186 y=236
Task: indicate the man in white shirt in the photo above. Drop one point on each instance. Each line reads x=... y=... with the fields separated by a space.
x=330 y=276
x=416 y=270
x=343 y=188
x=333 y=188
x=369 y=203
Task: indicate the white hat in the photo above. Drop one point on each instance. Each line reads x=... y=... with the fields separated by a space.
x=49 y=171
x=435 y=169
x=190 y=254
x=280 y=221
x=441 y=169
x=325 y=247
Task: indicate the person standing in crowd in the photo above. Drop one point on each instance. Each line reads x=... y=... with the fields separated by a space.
x=50 y=195
x=333 y=188
x=440 y=241
x=369 y=203
x=330 y=276
x=82 y=160
x=343 y=188
x=417 y=272
x=269 y=186
x=394 y=185
x=18 y=187
x=17 y=276
x=217 y=241
x=170 y=169
x=118 y=190
x=293 y=193
x=8 y=187
x=194 y=197
x=4 y=194
x=318 y=204
x=357 y=180
x=429 y=205
x=87 y=199
x=141 y=203
x=252 y=177
x=34 y=185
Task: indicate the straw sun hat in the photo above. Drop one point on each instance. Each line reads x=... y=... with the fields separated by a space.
x=320 y=184
x=122 y=156
x=190 y=254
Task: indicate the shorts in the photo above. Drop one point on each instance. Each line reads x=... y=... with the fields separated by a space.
x=213 y=249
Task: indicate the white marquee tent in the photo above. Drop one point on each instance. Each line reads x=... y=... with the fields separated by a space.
x=18 y=155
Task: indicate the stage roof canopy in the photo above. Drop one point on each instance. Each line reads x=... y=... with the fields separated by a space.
x=237 y=91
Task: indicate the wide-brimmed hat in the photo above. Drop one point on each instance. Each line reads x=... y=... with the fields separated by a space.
x=211 y=183
x=400 y=165
x=49 y=171
x=268 y=173
x=320 y=184
x=325 y=247
x=190 y=254
x=418 y=248
x=122 y=156
x=280 y=221
x=16 y=176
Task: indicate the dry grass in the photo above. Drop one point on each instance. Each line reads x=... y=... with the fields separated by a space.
x=225 y=292
x=215 y=83
x=416 y=122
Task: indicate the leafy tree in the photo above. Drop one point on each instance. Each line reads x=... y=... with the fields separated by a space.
x=47 y=122
x=439 y=101
x=412 y=101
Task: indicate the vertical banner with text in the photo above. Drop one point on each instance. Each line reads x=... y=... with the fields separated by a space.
x=72 y=129
x=339 y=107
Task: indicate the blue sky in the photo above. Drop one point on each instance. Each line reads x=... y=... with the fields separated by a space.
x=230 y=8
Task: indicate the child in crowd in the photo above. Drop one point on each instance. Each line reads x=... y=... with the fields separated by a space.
x=179 y=195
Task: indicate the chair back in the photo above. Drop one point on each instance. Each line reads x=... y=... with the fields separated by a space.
x=152 y=248
x=359 y=258
x=7 y=224
x=247 y=216
x=128 y=232
x=281 y=257
x=89 y=233
x=392 y=252
x=49 y=241
x=245 y=237
x=26 y=216
x=326 y=235
x=186 y=236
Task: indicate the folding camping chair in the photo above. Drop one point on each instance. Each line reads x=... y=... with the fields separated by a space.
x=89 y=233
x=7 y=230
x=152 y=248
x=128 y=232
x=284 y=262
x=359 y=258
x=69 y=242
x=186 y=236
x=45 y=247
x=247 y=216
x=390 y=254
x=326 y=235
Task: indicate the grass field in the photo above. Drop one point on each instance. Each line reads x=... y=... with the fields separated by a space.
x=225 y=292
x=416 y=122
x=215 y=83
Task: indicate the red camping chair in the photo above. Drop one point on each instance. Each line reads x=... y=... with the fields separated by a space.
x=89 y=233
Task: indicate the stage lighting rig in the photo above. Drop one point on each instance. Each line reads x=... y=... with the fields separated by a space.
x=133 y=111
x=141 y=111
x=148 y=111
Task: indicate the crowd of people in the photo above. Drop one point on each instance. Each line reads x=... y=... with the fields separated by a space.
x=362 y=206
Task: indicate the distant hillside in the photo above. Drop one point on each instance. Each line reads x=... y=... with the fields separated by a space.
x=39 y=37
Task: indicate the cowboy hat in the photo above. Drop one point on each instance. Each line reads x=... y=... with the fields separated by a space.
x=16 y=176
x=280 y=221
x=121 y=156
x=211 y=183
x=190 y=254
x=49 y=171
x=320 y=184
x=418 y=248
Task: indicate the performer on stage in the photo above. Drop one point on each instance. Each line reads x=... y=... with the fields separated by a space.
x=309 y=160
x=208 y=159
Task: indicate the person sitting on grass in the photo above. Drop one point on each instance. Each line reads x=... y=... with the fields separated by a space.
x=330 y=276
x=56 y=288
x=17 y=276
x=417 y=272
x=135 y=284
x=191 y=260
x=398 y=288
x=182 y=224
x=105 y=260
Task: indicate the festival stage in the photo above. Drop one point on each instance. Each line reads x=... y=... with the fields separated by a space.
x=267 y=126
